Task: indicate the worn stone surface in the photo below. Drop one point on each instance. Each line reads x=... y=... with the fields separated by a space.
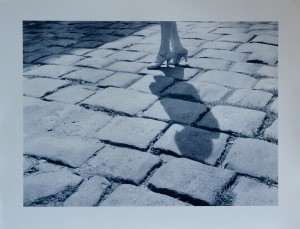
x=267 y=39
x=192 y=179
x=128 y=56
x=72 y=151
x=268 y=71
x=123 y=66
x=264 y=58
x=39 y=87
x=130 y=195
x=274 y=106
x=253 y=157
x=270 y=85
x=233 y=119
x=63 y=60
x=176 y=110
x=121 y=164
x=244 y=67
x=88 y=75
x=257 y=48
x=118 y=79
x=95 y=62
x=219 y=45
x=222 y=54
x=51 y=71
x=249 y=192
x=237 y=37
x=209 y=63
x=88 y=193
x=72 y=94
x=272 y=131
x=197 y=144
x=121 y=100
x=124 y=130
x=225 y=78
x=250 y=98
x=40 y=186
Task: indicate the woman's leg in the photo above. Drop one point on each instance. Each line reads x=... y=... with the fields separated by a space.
x=175 y=40
x=166 y=30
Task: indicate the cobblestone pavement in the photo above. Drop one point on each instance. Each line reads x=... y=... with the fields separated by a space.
x=102 y=130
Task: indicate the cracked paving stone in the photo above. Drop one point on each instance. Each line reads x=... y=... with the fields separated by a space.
x=249 y=192
x=266 y=39
x=32 y=57
x=219 y=45
x=233 y=119
x=274 y=106
x=121 y=100
x=272 y=131
x=72 y=94
x=225 y=78
x=264 y=58
x=152 y=84
x=236 y=37
x=38 y=187
x=119 y=79
x=99 y=63
x=258 y=48
x=209 y=63
x=250 y=98
x=39 y=87
x=229 y=31
x=136 y=132
x=121 y=163
x=197 y=144
x=69 y=150
x=130 y=195
x=270 y=85
x=64 y=60
x=176 y=110
x=197 y=91
x=222 y=54
x=88 y=193
x=268 y=71
x=192 y=179
x=201 y=36
x=253 y=157
x=88 y=75
x=123 y=66
x=244 y=67
x=51 y=71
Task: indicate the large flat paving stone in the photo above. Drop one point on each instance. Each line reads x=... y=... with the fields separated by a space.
x=72 y=94
x=130 y=195
x=176 y=110
x=94 y=62
x=258 y=48
x=88 y=193
x=268 y=71
x=263 y=58
x=250 y=98
x=64 y=60
x=274 y=106
x=253 y=157
x=197 y=91
x=236 y=37
x=88 y=75
x=219 y=45
x=40 y=186
x=225 y=78
x=270 y=85
x=197 y=181
x=128 y=56
x=124 y=66
x=51 y=71
x=233 y=119
x=40 y=87
x=137 y=132
x=272 y=131
x=249 y=192
x=266 y=39
x=121 y=100
x=152 y=84
x=119 y=79
x=197 y=144
x=222 y=54
x=209 y=63
x=71 y=151
x=246 y=68
x=121 y=164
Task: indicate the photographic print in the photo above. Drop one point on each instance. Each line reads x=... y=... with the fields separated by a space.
x=148 y=113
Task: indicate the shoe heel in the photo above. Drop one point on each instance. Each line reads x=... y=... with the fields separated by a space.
x=168 y=61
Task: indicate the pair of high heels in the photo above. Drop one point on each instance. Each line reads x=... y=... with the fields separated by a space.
x=176 y=56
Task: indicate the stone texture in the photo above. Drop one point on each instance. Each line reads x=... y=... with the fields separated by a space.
x=272 y=131
x=263 y=58
x=152 y=84
x=123 y=66
x=72 y=94
x=209 y=63
x=249 y=192
x=51 y=71
x=219 y=45
x=39 y=87
x=197 y=91
x=130 y=195
x=274 y=106
x=119 y=79
x=253 y=157
x=121 y=164
x=95 y=62
x=189 y=178
x=197 y=144
x=270 y=85
x=225 y=78
x=244 y=67
x=100 y=53
x=237 y=37
x=124 y=130
x=41 y=186
x=222 y=54
x=258 y=48
x=72 y=151
x=64 y=60
x=88 y=75
x=233 y=119
x=121 y=100
x=250 y=98
x=268 y=71
x=127 y=56
x=229 y=31
x=267 y=39
x=176 y=110
x=88 y=193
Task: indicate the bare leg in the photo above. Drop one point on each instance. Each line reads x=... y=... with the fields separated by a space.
x=166 y=29
x=176 y=43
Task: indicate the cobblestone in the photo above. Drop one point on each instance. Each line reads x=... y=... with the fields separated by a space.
x=118 y=79
x=209 y=63
x=274 y=106
x=222 y=54
x=268 y=71
x=243 y=67
x=237 y=37
x=51 y=71
x=88 y=75
x=267 y=85
x=272 y=131
x=64 y=60
x=199 y=182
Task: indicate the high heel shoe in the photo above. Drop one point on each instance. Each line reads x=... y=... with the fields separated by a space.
x=160 y=59
x=177 y=56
